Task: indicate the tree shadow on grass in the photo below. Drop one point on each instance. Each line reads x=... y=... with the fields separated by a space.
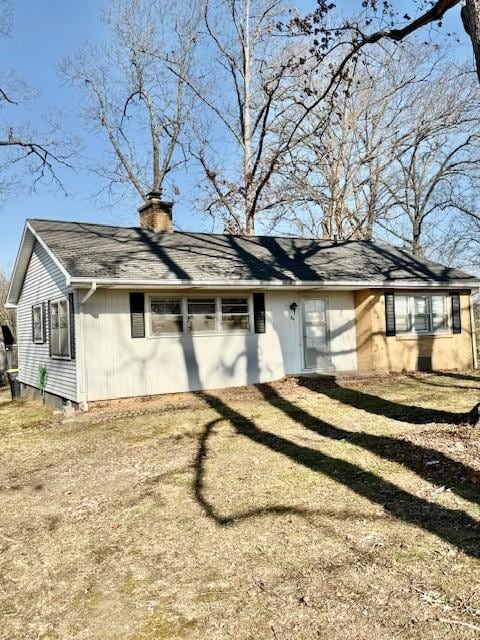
x=447 y=385
x=454 y=526
x=444 y=471
x=460 y=376
x=207 y=505
x=376 y=405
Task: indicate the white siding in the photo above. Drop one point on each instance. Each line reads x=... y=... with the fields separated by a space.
x=119 y=366
x=43 y=281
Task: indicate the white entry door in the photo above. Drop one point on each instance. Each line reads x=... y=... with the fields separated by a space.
x=316 y=345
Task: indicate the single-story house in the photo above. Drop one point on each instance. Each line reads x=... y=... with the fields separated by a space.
x=110 y=312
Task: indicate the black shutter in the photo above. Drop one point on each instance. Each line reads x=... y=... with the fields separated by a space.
x=456 y=316
x=390 y=329
x=33 y=325
x=49 y=328
x=71 y=320
x=44 y=322
x=259 y=312
x=137 y=315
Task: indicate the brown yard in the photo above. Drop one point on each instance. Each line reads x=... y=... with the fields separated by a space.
x=295 y=510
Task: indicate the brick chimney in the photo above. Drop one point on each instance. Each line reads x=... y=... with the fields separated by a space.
x=155 y=214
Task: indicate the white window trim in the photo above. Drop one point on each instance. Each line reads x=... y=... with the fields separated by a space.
x=411 y=315
x=148 y=314
x=54 y=356
x=38 y=306
x=218 y=331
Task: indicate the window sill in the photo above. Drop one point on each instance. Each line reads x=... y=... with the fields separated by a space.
x=60 y=358
x=204 y=334
x=416 y=336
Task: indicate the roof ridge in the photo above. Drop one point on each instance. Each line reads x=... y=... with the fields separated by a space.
x=211 y=233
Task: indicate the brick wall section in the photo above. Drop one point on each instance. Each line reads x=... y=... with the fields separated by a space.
x=377 y=352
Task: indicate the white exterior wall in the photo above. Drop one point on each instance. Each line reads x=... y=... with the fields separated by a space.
x=118 y=366
x=43 y=281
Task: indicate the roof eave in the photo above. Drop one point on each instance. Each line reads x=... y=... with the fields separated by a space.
x=22 y=261
x=268 y=284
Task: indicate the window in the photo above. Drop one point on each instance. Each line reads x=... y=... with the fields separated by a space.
x=440 y=313
x=60 y=329
x=171 y=316
x=37 y=324
x=421 y=313
x=235 y=314
x=166 y=316
x=201 y=314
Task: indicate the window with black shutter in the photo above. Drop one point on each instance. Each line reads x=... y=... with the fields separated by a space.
x=456 y=313
x=137 y=315
x=390 y=314
x=259 y=312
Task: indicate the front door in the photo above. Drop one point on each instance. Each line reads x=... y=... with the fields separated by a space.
x=316 y=345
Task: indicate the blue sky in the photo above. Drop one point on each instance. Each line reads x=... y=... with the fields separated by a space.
x=42 y=34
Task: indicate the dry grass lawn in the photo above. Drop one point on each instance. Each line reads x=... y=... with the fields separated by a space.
x=294 y=510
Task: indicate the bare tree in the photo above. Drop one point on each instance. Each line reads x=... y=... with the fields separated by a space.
x=436 y=166
x=337 y=179
x=401 y=154
x=26 y=155
x=134 y=99
x=247 y=95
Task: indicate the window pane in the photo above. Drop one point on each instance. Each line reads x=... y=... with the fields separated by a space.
x=402 y=319
x=421 y=319
x=201 y=306
x=421 y=322
x=440 y=322
x=402 y=323
x=235 y=322
x=201 y=322
x=401 y=305
x=201 y=314
x=63 y=341
x=54 y=314
x=439 y=305
x=420 y=305
x=166 y=316
x=166 y=324
x=172 y=306
x=37 y=324
x=62 y=314
x=439 y=313
x=235 y=305
x=59 y=331
x=55 y=342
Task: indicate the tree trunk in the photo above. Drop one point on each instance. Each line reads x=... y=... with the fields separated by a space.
x=471 y=21
x=247 y=127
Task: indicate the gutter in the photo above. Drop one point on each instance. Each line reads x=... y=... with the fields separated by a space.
x=277 y=284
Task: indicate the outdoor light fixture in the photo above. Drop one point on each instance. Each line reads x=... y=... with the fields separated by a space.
x=293 y=308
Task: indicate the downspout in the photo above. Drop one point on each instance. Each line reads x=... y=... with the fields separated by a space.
x=473 y=333
x=84 y=389
x=89 y=293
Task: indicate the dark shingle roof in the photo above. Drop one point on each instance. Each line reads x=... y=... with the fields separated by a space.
x=100 y=251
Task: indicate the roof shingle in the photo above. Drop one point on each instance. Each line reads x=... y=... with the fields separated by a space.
x=100 y=251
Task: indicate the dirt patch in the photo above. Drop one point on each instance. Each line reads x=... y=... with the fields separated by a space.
x=292 y=510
